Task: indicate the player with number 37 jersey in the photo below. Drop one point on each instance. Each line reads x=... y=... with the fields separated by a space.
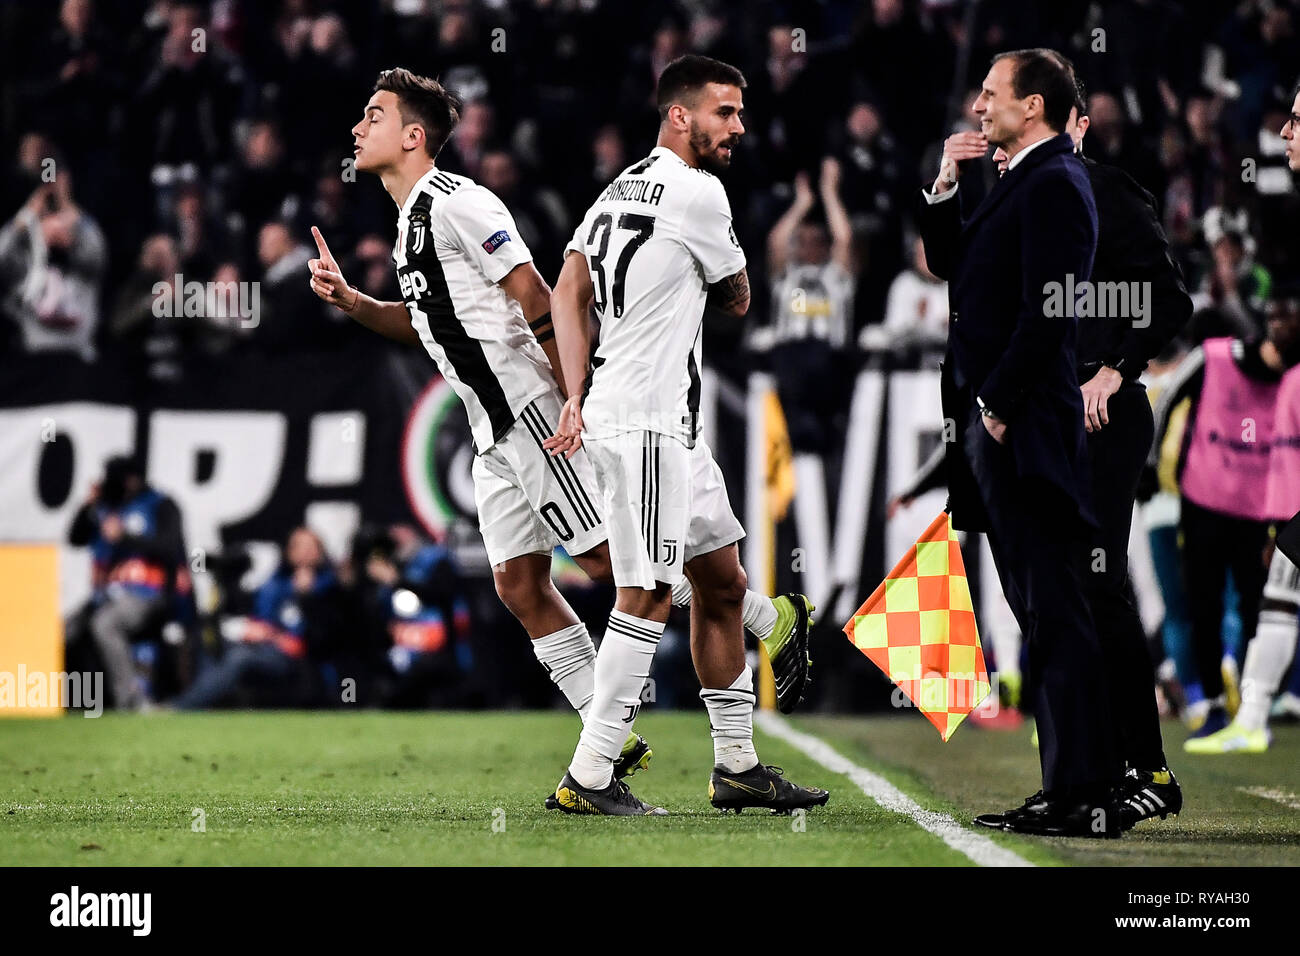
x=674 y=221
x=654 y=248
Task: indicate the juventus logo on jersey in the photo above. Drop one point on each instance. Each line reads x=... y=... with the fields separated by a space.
x=417 y=237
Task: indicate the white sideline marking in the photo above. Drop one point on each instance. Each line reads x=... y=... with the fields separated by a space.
x=1277 y=796
x=975 y=846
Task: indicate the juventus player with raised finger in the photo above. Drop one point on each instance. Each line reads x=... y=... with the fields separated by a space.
x=655 y=245
x=475 y=301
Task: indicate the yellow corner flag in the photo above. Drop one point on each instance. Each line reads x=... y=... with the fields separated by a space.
x=919 y=628
x=780 y=458
x=778 y=492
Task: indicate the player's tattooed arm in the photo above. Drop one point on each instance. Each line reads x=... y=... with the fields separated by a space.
x=389 y=319
x=526 y=286
x=731 y=294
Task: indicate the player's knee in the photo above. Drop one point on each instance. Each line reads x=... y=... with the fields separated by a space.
x=729 y=590
x=739 y=585
x=520 y=593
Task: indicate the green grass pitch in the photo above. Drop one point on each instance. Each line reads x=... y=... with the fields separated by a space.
x=375 y=788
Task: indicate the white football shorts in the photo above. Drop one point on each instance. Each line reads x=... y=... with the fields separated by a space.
x=528 y=500
x=664 y=505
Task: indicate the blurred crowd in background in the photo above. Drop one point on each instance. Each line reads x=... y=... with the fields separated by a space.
x=203 y=139
x=389 y=625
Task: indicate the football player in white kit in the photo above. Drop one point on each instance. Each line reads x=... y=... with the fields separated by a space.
x=474 y=300
x=655 y=245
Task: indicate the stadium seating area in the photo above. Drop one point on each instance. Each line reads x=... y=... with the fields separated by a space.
x=187 y=148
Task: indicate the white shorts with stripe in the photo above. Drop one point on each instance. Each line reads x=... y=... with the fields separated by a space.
x=530 y=501
x=1283 y=582
x=664 y=505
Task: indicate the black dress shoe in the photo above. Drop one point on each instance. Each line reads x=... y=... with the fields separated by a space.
x=1069 y=818
x=996 y=821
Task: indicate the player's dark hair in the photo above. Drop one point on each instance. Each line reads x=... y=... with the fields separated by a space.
x=423 y=100
x=685 y=76
x=1080 y=97
x=1080 y=90
x=1050 y=75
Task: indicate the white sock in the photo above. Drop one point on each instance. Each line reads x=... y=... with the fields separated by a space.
x=570 y=659
x=758 y=612
x=731 y=722
x=622 y=666
x=1267 y=657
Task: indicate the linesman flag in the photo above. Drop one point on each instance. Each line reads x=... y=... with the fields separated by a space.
x=919 y=628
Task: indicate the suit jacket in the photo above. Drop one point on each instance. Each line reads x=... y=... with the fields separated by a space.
x=1131 y=247
x=1037 y=226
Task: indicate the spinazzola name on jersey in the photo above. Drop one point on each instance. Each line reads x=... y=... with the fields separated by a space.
x=633 y=190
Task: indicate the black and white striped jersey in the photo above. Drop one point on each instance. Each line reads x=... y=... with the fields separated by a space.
x=455 y=241
x=654 y=241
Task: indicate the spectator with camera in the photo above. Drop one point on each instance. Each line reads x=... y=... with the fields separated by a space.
x=139 y=576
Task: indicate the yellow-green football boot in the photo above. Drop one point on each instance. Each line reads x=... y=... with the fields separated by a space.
x=787 y=649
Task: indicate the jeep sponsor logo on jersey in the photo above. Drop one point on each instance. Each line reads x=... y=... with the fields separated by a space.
x=413 y=283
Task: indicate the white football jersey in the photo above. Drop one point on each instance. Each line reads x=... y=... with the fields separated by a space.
x=654 y=241
x=455 y=242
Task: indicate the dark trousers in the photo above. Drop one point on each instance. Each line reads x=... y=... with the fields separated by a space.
x=242 y=665
x=1213 y=543
x=1040 y=547
x=810 y=402
x=1117 y=454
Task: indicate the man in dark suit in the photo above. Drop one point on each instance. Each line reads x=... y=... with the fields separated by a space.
x=1018 y=462
x=1113 y=350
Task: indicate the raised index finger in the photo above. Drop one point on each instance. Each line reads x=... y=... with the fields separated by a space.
x=321 y=245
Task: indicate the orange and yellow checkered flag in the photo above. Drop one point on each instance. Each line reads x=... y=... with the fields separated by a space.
x=919 y=628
